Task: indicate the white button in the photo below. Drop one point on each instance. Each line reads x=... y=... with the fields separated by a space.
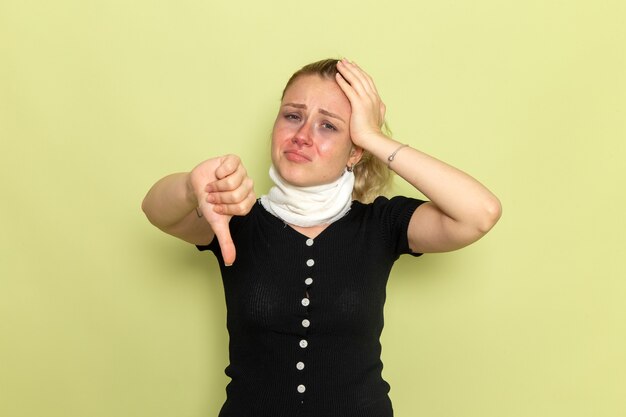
x=308 y=281
x=303 y=343
x=301 y=389
x=300 y=366
x=306 y=323
x=310 y=262
x=309 y=242
x=305 y=302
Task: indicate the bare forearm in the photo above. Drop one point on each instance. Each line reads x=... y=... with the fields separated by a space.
x=455 y=193
x=461 y=209
x=169 y=201
x=197 y=206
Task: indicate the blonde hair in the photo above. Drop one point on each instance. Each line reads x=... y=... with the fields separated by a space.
x=372 y=177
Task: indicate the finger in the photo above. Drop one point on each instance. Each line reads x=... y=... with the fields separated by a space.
x=371 y=91
x=222 y=233
x=235 y=196
x=351 y=75
x=240 y=208
x=361 y=78
x=372 y=100
x=368 y=83
x=345 y=86
x=228 y=183
x=366 y=77
x=228 y=165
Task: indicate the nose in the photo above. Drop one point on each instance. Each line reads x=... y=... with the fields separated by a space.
x=302 y=137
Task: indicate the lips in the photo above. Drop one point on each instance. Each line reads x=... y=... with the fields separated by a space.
x=296 y=156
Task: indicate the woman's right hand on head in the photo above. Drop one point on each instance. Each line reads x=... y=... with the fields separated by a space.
x=223 y=189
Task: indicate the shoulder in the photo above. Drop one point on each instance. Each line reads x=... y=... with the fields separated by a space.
x=388 y=207
x=387 y=220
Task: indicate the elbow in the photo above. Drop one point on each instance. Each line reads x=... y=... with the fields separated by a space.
x=491 y=213
x=147 y=209
x=144 y=207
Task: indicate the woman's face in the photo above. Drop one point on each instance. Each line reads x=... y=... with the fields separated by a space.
x=311 y=142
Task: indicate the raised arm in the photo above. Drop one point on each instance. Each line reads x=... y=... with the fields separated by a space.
x=198 y=205
x=461 y=210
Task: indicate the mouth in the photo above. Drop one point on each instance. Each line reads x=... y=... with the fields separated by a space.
x=296 y=156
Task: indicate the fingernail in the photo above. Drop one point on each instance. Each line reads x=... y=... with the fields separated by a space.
x=228 y=264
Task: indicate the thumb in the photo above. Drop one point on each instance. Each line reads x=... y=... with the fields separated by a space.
x=222 y=232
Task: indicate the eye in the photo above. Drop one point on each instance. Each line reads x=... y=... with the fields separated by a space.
x=292 y=116
x=328 y=126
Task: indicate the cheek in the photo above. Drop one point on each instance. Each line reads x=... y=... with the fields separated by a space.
x=326 y=147
x=277 y=135
x=282 y=131
x=340 y=147
x=281 y=135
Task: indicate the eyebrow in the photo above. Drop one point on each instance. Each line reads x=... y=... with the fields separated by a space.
x=322 y=111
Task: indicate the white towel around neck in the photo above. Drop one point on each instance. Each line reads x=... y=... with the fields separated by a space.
x=309 y=206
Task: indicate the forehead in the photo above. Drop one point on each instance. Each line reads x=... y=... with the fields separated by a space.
x=314 y=90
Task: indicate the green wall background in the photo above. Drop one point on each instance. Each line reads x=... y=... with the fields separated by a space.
x=101 y=315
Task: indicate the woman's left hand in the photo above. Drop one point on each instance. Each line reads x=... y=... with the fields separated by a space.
x=368 y=110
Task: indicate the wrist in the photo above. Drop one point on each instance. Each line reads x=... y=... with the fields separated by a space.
x=393 y=154
x=190 y=192
x=369 y=141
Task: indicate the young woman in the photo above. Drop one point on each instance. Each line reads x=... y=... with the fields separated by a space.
x=305 y=267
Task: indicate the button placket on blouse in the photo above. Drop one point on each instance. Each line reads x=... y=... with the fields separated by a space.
x=305 y=322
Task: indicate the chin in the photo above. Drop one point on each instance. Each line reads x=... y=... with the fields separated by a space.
x=301 y=175
x=295 y=177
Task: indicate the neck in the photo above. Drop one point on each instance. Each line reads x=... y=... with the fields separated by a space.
x=309 y=207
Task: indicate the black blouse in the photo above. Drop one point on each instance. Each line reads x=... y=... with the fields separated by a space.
x=305 y=315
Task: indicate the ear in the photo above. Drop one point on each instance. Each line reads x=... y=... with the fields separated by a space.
x=355 y=155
